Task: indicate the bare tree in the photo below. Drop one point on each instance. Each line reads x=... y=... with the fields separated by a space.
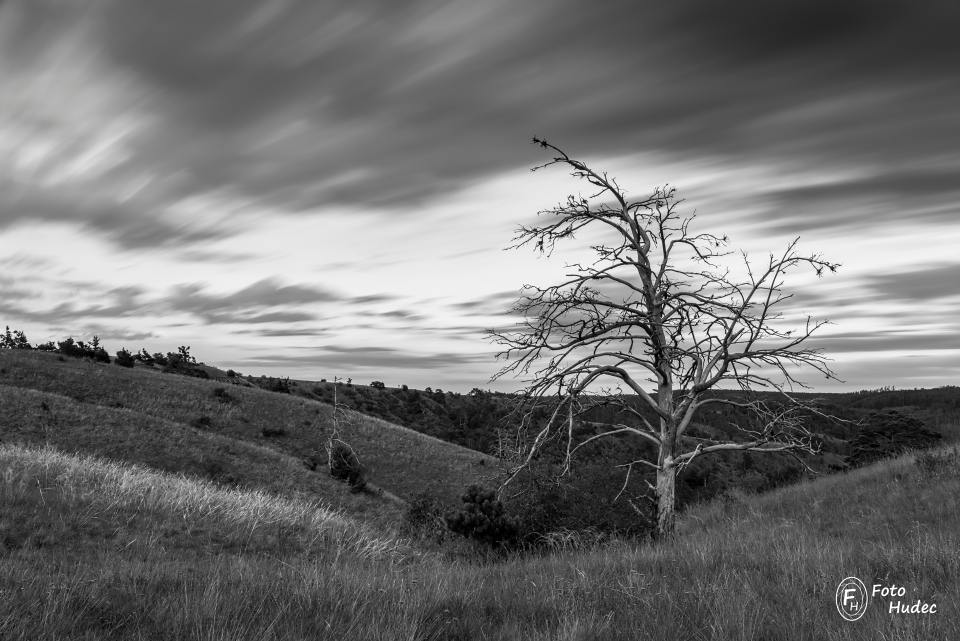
x=661 y=307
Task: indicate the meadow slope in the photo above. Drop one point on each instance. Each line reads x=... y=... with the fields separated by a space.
x=96 y=550
x=109 y=408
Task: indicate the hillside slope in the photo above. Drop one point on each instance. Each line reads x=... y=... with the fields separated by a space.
x=103 y=401
x=96 y=550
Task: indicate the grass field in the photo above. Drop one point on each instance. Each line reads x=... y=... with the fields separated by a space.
x=95 y=550
x=110 y=410
x=110 y=528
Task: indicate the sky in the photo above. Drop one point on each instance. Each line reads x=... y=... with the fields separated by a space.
x=315 y=188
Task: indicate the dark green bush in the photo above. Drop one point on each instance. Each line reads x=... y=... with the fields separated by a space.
x=222 y=395
x=483 y=518
x=273 y=432
x=887 y=434
x=273 y=384
x=345 y=465
x=14 y=340
x=79 y=349
x=202 y=422
x=124 y=358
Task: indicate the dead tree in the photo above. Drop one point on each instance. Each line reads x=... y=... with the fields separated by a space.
x=661 y=314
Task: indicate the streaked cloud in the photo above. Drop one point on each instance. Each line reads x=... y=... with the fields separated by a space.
x=295 y=172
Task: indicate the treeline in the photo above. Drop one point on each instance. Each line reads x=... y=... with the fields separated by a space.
x=179 y=362
x=860 y=431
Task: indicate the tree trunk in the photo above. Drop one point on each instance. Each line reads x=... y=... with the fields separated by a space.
x=666 y=499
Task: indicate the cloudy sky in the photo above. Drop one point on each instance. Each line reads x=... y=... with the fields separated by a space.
x=320 y=188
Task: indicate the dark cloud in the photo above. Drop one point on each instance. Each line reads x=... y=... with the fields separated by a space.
x=119 y=302
x=264 y=293
x=372 y=298
x=374 y=357
x=916 y=286
x=886 y=341
x=305 y=103
x=247 y=318
x=283 y=333
x=250 y=304
x=133 y=225
x=925 y=195
x=495 y=303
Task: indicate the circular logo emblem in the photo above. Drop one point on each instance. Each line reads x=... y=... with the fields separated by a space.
x=851 y=598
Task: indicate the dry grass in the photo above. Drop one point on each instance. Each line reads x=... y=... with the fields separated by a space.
x=762 y=568
x=401 y=461
x=92 y=549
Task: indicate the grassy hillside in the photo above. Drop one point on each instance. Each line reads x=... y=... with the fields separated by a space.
x=93 y=550
x=212 y=428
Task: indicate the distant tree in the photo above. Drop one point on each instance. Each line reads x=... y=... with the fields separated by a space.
x=377 y=385
x=124 y=358
x=342 y=460
x=16 y=339
x=658 y=305
x=482 y=517
x=184 y=353
x=889 y=433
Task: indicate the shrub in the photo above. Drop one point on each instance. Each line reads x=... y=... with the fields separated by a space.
x=222 y=395
x=14 y=340
x=231 y=373
x=124 y=358
x=272 y=432
x=315 y=460
x=182 y=363
x=272 y=384
x=377 y=385
x=424 y=518
x=202 y=422
x=344 y=465
x=79 y=349
x=887 y=434
x=483 y=518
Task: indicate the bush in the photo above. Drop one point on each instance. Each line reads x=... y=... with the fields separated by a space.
x=182 y=363
x=222 y=395
x=345 y=465
x=272 y=384
x=272 y=432
x=377 y=385
x=482 y=517
x=14 y=340
x=424 y=518
x=79 y=349
x=202 y=422
x=888 y=434
x=124 y=358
